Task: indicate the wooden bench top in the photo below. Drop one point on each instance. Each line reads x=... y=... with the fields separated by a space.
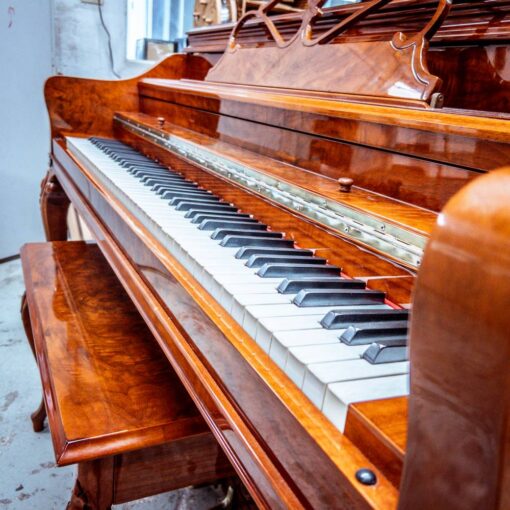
x=107 y=386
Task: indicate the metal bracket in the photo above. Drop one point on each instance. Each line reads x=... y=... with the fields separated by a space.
x=391 y=240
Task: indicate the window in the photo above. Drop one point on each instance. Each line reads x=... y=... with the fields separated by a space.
x=157 y=27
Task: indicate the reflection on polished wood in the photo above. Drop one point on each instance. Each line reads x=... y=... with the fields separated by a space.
x=114 y=405
x=320 y=183
x=406 y=163
x=258 y=425
x=304 y=60
x=469 y=51
x=379 y=428
x=39 y=415
x=80 y=105
x=95 y=352
x=54 y=205
x=460 y=350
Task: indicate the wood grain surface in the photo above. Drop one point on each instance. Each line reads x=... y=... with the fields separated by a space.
x=107 y=386
x=259 y=417
x=459 y=432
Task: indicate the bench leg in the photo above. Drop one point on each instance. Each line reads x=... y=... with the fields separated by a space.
x=39 y=415
x=94 y=486
x=54 y=205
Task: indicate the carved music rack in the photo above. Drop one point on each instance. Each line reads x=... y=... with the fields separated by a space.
x=391 y=72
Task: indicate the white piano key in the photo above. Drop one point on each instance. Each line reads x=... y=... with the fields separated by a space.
x=280 y=327
x=281 y=341
x=340 y=395
x=290 y=310
x=299 y=358
x=267 y=325
x=319 y=375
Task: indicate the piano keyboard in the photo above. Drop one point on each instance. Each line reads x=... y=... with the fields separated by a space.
x=338 y=341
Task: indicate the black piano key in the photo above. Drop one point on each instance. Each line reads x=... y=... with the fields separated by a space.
x=389 y=340
x=120 y=151
x=260 y=260
x=154 y=181
x=157 y=176
x=290 y=270
x=377 y=353
x=221 y=233
x=129 y=158
x=100 y=139
x=342 y=319
x=149 y=169
x=120 y=147
x=364 y=334
x=128 y=162
x=342 y=297
x=190 y=194
x=241 y=241
x=248 y=251
x=128 y=152
x=142 y=163
x=146 y=172
x=162 y=174
x=163 y=177
x=140 y=170
x=213 y=224
x=185 y=186
x=289 y=286
x=185 y=203
x=191 y=213
x=109 y=142
x=115 y=152
x=199 y=218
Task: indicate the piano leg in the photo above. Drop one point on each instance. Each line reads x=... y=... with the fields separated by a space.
x=93 y=489
x=39 y=415
x=54 y=205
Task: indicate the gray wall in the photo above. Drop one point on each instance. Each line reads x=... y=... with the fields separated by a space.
x=45 y=37
x=80 y=43
x=25 y=62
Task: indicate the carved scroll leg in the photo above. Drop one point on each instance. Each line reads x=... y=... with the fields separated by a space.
x=236 y=496
x=94 y=486
x=39 y=415
x=54 y=205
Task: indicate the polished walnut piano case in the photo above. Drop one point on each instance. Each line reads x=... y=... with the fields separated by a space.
x=407 y=159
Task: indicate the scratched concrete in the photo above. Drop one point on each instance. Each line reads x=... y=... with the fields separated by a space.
x=29 y=479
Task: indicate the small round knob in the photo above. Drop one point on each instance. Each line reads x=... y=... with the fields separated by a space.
x=161 y=121
x=345 y=184
x=366 y=476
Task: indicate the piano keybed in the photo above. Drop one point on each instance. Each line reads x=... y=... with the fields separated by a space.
x=336 y=340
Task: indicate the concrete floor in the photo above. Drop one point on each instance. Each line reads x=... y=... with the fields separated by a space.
x=29 y=479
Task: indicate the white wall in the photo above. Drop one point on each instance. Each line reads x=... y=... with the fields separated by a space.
x=80 y=42
x=25 y=62
x=45 y=37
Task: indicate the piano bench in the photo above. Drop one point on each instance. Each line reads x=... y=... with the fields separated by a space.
x=115 y=405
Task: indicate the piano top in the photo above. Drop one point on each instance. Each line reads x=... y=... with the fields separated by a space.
x=493 y=126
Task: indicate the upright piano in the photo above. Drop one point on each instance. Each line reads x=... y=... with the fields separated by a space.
x=316 y=231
